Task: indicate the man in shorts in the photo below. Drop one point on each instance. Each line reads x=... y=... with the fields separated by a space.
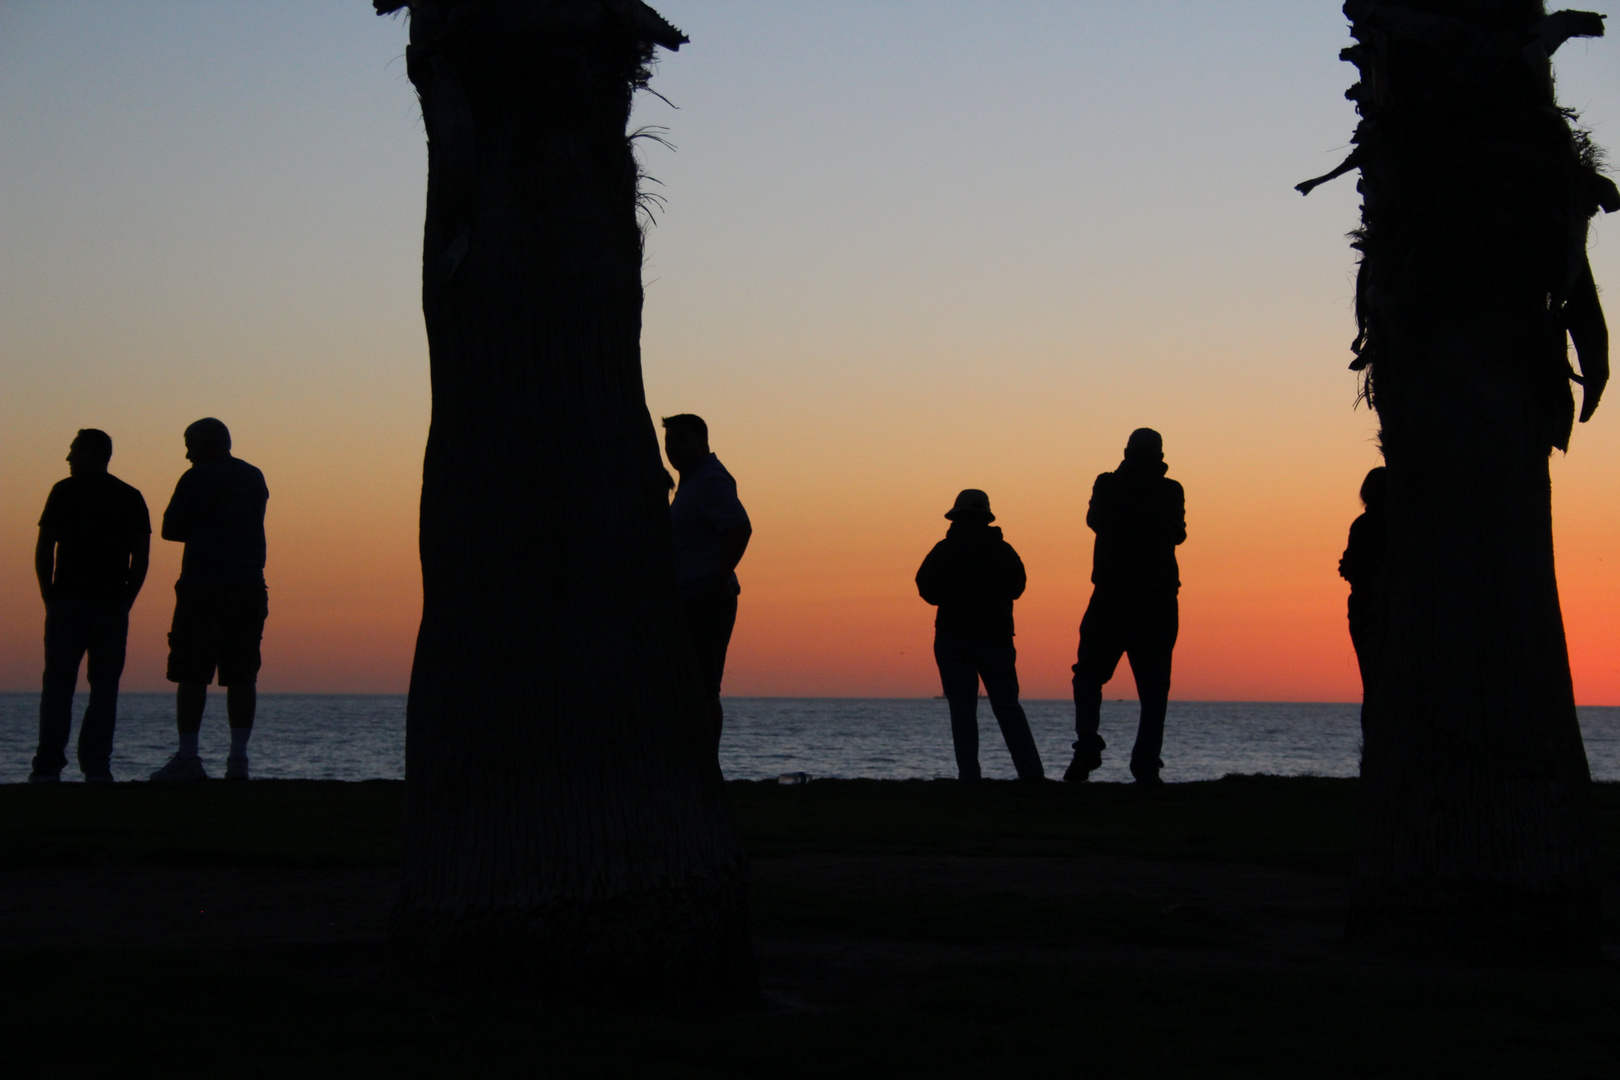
x=220 y=602
x=94 y=540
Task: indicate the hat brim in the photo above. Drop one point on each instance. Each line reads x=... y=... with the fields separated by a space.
x=954 y=514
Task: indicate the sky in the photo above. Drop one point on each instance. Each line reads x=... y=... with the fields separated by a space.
x=908 y=247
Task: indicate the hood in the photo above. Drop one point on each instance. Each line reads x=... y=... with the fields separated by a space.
x=1142 y=467
x=973 y=530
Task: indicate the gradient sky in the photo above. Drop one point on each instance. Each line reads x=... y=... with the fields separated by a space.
x=909 y=247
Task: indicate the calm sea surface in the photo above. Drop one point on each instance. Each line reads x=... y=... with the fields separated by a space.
x=360 y=737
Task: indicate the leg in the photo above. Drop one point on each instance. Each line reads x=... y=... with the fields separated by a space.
x=1361 y=640
x=242 y=614
x=110 y=631
x=711 y=620
x=241 y=702
x=193 y=656
x=1365 y=634
x=64 y=650
x=998 y=664
x=1099 y=653
x=1363 y=647
x=959 y=679
x=725 y=623
x=1150 y=653
x=190 y=700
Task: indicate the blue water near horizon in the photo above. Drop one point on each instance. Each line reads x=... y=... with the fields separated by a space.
x=362 y=737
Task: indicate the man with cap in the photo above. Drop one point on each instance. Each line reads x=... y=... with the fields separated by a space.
x=94 y=541
x=1139 y=516
x=973 y=576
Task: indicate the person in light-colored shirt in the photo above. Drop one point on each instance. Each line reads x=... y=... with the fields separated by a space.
x=710 y=531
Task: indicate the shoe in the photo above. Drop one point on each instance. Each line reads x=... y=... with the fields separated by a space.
x=236 y=768
x=102 y=777
x=1148 y=780
x=44 y=778
x=180 y=770
x=1080 y=769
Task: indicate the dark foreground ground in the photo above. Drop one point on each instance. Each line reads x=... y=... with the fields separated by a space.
x=902 y=929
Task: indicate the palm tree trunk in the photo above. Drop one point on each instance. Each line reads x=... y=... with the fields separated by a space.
x=565 y=831
x=1476 y=832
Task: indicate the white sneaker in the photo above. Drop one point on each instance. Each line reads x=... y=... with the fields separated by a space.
x=180 y=770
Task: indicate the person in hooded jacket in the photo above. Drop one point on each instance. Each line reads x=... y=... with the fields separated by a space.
x=973 y=576
x=1139 y=516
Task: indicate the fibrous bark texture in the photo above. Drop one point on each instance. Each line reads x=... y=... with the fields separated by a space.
x=1477 y=834
x=566 y=830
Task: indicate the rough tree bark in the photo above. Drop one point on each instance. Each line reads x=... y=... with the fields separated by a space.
x=1476 y=832
x=565 y=832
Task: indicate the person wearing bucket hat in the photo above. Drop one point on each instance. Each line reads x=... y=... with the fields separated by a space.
x=1139 y=516
x=973 y=576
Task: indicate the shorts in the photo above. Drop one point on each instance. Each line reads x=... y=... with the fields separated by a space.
x=217 y=626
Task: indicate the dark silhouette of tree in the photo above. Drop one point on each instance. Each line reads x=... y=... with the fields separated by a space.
x=566 y=830
x=1477 y=832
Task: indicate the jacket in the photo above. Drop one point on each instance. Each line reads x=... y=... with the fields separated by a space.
x=1139 y=515
x=972 y=576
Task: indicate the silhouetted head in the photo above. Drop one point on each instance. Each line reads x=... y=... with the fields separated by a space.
x=1373 y=487
x=207 y=440
x=971 y=505
x=686 y=441
x=1145 y=444
x=89 y=452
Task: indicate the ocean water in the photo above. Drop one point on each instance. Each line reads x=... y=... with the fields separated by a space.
x=362 y=736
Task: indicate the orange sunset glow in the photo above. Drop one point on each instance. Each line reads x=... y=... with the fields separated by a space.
x=896 y=260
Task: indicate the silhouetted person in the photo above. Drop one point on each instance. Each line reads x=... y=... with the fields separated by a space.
x=220 y=602
x=91 y=559
x=710 y=532
x=973 y=576
x=1363 y=567
x=1139 y=517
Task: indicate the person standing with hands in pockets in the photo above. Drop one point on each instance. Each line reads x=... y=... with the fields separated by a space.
x=94 y=541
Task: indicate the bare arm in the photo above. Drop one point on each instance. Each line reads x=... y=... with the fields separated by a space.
x=139 y=559
x=173 y=524
x=45 y=561
x=174 y=516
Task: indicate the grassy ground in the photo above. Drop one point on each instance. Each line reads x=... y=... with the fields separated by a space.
x=903 y=929
x=316 y=823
